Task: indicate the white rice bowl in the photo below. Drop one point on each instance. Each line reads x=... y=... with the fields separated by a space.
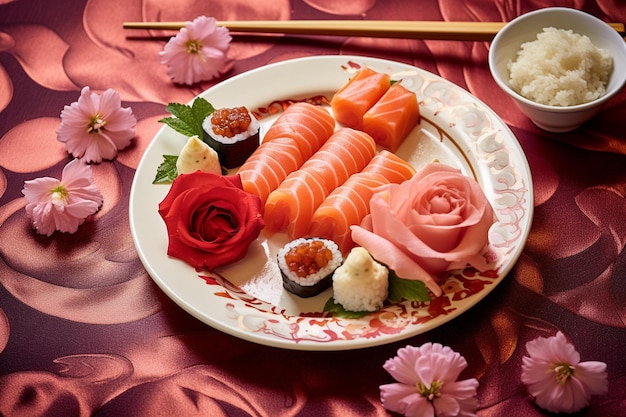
x=560 y=68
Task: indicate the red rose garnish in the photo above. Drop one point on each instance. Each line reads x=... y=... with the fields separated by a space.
x=211 y=221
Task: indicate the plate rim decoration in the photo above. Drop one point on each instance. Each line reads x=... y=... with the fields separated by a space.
x=451 y=117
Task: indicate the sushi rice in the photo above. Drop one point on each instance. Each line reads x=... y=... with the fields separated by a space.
x=361 y=283
x=252 y=130
x=312 y=279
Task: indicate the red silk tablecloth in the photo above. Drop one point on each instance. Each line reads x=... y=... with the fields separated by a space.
x=85 y=331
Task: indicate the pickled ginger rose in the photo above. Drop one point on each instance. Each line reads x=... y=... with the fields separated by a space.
x=435 y=222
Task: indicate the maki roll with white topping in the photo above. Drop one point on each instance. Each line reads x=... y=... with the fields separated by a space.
x=233 y=133
x=307 y=265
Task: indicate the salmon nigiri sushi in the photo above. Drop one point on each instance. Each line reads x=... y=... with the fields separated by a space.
x=393 y=117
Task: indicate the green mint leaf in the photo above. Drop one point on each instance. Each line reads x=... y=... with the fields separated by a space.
x=201 y=109
x=338 y=311
x=182 y=111
x=406 y=289
x=166 y=172
x=188 y=119
x=179 y=125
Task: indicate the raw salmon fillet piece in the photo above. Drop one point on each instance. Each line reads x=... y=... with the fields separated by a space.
x=290 y=207
x=293 y=138
x=348 y=204
x=269 y=165
x=393 y=117
x=358 y=95
x=309 y=125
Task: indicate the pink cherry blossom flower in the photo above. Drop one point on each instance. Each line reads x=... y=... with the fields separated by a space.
x=62 y=205
x=556 y=377
x=96 y=126
x=427 y=383
x=197 y=52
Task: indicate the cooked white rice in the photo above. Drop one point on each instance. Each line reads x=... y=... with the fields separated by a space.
x=560 y=68
x=361 y=283
x=311 y=279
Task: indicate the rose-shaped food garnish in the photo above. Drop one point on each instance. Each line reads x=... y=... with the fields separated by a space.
x=437 y=221
x=211 y=221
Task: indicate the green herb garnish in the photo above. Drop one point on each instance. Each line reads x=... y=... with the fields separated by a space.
x=338 y=311
x=188 y=119
x=406 y=289
x=166 y=172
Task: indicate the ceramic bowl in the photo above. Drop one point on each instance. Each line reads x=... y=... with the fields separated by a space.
x=525 y=28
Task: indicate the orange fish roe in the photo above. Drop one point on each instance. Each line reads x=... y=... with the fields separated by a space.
x=308 y=258
x=229 y=122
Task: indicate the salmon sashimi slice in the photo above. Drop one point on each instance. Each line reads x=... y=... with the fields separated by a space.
x=308 y=125
x=358 y=95
x=269 y=165
x=293 y=138
x=393 y=117
x=290 y=207
x=348 y=204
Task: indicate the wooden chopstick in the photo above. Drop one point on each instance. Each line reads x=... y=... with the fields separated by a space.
x=468 y=31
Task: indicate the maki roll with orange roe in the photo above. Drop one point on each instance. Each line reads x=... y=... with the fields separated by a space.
x=233 y=133
x=307 y=265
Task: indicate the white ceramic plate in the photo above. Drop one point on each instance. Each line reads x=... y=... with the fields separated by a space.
x=247 y=299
